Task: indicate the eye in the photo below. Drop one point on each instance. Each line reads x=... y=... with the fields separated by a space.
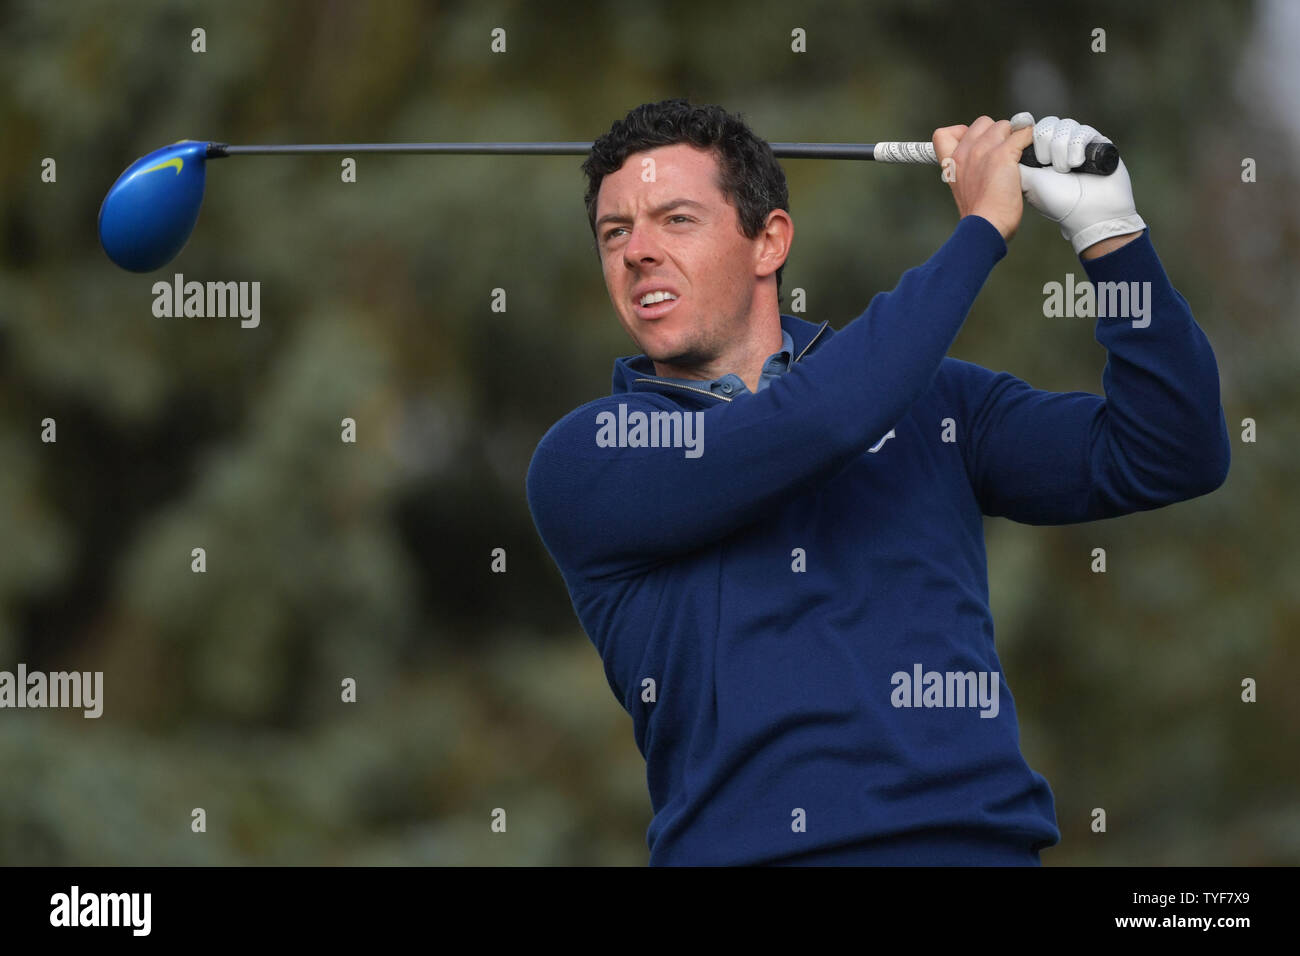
x=609 y=233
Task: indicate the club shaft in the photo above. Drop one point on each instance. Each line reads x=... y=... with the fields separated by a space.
x=1099 y=157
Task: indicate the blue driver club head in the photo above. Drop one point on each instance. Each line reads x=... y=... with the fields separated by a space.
x=149 y=213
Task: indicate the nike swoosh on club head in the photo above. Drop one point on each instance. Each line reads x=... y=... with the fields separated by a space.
x=174 y=161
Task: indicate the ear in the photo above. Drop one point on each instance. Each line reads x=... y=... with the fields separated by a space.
x=772 y=245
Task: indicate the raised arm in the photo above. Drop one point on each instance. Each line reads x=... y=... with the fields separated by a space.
x=1160 y=435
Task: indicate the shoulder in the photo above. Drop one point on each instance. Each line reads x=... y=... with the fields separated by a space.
x=965 y=381
x=574 y=434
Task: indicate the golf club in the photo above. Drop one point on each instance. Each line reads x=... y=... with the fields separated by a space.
x=150 y=211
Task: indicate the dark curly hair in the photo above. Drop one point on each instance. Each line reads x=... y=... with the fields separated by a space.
x=750 y=177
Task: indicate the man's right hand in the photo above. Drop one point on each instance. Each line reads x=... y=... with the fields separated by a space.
x=985 y=170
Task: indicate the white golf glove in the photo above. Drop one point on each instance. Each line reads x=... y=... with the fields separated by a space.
x=1087 y=207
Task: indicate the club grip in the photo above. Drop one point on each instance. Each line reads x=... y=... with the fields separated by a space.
x=1101 y=159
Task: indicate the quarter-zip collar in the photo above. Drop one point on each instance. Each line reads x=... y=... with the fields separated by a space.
x=636 y=373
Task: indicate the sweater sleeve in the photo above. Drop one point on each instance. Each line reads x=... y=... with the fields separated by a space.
x=608 y=512
x=1159 y=436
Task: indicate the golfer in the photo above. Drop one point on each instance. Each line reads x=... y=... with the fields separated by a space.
x=772 y=531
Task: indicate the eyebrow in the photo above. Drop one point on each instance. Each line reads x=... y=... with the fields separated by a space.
x=656 y=211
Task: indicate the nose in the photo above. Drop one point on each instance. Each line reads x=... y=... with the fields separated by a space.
x=641 y=247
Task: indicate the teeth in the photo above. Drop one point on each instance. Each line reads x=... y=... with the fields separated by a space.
x=650 y=298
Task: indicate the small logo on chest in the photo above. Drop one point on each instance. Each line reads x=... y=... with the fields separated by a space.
x=876 y=447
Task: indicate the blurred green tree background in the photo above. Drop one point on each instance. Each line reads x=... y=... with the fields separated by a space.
x=372 y=561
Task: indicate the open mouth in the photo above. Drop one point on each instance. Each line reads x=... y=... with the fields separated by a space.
x=655 y=309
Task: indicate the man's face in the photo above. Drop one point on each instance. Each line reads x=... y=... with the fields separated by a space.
x=678 y=234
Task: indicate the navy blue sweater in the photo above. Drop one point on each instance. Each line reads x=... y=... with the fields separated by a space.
x=783 y=613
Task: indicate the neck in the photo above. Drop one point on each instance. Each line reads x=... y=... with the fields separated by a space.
x=744 y=355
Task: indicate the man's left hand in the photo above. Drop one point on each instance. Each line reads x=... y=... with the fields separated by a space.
x=1088 y=208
